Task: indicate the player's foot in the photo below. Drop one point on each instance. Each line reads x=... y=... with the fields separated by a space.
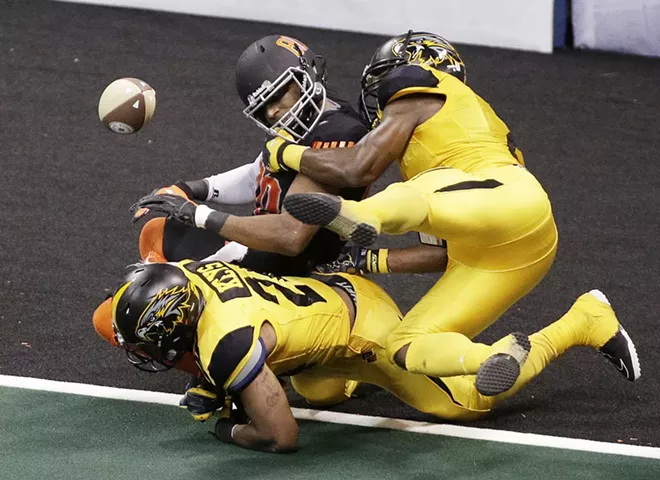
x=331 y=212
x=601 y=330
x=500 y=371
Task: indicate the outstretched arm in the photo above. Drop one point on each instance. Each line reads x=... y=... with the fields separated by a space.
x=272 y=427
x=413 y=259
x=356 y=166
x=417 y=259
x=362 y=164
x=278 y=233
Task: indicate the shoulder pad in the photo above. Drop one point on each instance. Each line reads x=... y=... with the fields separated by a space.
x=337 y=126
x=401 y=78
x=230 y=353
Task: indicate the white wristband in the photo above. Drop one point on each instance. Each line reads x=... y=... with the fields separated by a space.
x=201 y=215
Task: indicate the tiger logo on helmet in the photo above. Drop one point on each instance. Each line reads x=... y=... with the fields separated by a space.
x=154 y=314
x=417 y=48
x=430 y=49
x=168 y=309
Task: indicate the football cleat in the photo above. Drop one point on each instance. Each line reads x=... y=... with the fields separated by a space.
x=330 y=212
x=608 y=336
x=500 y=371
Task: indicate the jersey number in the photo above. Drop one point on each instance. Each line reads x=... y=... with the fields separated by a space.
x=268 y=193
x=305 y=299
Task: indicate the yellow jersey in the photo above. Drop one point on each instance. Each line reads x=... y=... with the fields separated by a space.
x=310 y=319
x=465 y=133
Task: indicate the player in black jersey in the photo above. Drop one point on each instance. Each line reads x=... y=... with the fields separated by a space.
x=282 y=83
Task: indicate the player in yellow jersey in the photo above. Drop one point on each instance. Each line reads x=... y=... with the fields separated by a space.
x=465 y=182
x=245 y=328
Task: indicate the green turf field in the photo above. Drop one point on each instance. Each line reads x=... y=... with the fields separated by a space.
x=47 y=435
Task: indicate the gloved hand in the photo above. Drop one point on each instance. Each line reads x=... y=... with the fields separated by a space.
x=282 y=153
x=200 y=402
x=179 y=189
x=181 y=209
x=358 y=260
x=168 y=205
x=229 y=418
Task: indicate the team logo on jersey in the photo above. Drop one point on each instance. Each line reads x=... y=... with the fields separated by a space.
x=431 y=51
x=166 y=310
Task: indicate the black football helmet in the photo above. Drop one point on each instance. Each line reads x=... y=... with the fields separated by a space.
x=154 y=314
x=420 y=48
x=263 y=74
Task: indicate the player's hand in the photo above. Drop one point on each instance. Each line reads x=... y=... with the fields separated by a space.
x=281 y=153
x=357 y=260
x=229 y=417
x=170 y=190
x=167 y=205
x=200 y=402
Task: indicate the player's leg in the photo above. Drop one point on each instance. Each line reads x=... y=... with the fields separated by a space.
x=163 y=240
x=426 y=394
x=434 y=338
x=400 y=208
x=589 y=322
x=321 y=391
x=151 y=241
x=102 y=319
x=489 y=209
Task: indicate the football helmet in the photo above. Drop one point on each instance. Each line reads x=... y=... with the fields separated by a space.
x=420 y=48
x=263 y=74
x=154 y=315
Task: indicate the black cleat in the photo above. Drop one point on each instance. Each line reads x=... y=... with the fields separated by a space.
x=500 y=371
x=326 y=210
x=621 y=351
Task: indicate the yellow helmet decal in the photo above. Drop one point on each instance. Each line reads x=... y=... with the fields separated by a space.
x=169 y=302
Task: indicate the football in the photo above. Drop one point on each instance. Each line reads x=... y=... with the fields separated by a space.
x=127 y=105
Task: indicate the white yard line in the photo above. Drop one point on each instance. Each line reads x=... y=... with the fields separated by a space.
x=472 y=433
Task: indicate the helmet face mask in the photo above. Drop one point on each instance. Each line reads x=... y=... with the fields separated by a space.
x=265 y=73
x=146 y=362
x=154 y=315
x=419 y=48
x=301 y=117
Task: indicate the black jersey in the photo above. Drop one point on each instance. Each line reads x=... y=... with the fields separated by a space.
x=341 y=127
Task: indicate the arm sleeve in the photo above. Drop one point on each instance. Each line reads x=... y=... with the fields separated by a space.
x=234 y=187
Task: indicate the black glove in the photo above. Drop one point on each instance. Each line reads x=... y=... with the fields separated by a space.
x=181 y=209
x=200 y=401
x=229 y=418
x=168 y=205
x=357 y=260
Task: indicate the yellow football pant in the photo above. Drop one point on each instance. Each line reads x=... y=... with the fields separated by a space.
x=321 y=391
x=452 y=398
x=501 y=240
